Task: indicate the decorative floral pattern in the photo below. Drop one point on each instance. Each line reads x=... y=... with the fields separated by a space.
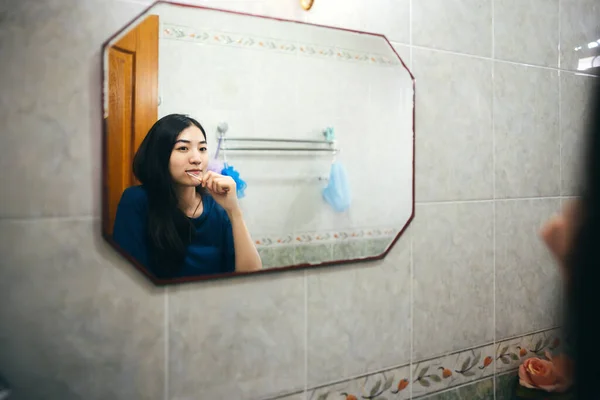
x=213 y=37
x=325 y=237
x=511 y=353
x=442 y=373
x=392 y=384
x=452 y=370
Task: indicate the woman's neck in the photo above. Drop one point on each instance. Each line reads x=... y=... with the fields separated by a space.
x=188 y=197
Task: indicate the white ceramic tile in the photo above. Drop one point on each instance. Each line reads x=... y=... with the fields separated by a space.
x=296 y=396
x=287 y=9
x=244 y=339
x=575 y=114
x=50 y=107
x=76 y=315
x=347 y=14
x=528 y=285
x=453 y=277
x=578 y=28
x=463 y=26
x=453 y=127
x=526 y=31
x=527 y=142
x=388 y=17
x=244 y=6
x=346 y=336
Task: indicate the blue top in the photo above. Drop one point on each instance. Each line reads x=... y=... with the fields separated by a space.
x=210 y=252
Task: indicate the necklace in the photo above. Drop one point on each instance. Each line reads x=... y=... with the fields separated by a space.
x=194 y=213
x=190 y=219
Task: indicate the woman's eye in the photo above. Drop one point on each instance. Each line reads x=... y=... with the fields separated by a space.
x=203 y=149
x=182 y=148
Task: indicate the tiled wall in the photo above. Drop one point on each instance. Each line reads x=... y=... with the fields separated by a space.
x=472 y=369
x=497 y=132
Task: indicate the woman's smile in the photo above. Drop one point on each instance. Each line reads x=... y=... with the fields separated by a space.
x=194 y=173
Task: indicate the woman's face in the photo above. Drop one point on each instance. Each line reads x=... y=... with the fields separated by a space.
x=189 y=157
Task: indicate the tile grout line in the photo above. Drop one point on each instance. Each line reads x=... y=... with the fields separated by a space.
x=167 y=319
x=560 y=133
x=427 y=203
x=62 y=218
x=305 y=334
x=494 y=196
x=412 y=314
x=560 y=137
x=575 y=72
x=421 y=203
x=559 y=32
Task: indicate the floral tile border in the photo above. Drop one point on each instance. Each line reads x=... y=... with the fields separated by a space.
x=511 y=353
x=232 y=39
x=441 y=374
x=392 y=384
x=452 y=370
x=274 y=240
x=325 y=237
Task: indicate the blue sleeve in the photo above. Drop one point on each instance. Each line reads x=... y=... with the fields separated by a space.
x=229 y=249
x=130 y=225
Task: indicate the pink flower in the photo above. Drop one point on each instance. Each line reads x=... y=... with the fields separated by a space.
x=554 y=375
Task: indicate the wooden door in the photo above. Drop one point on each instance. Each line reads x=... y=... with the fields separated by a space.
x=132 y=108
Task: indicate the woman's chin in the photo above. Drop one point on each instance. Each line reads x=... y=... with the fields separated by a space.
x=188 y=183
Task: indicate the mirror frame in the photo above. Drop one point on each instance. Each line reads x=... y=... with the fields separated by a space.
x=104 y=190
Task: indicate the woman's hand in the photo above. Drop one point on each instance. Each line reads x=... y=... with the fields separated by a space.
x=223 y=190
x=559 y=233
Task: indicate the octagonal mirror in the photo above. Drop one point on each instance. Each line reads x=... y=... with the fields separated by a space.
x=238 y=144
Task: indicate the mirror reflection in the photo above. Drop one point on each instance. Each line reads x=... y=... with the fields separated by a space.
x=183 y=219
x=238 y=144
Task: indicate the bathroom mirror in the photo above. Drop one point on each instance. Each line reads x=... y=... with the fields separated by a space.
x=238 y=144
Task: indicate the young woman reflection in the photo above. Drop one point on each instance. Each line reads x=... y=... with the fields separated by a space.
x=183 y=220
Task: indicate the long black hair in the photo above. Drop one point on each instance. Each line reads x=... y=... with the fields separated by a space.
x=584 y=262
x=168 y=227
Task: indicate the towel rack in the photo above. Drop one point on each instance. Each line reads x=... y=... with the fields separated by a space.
x=276 y=149
x=222 y=129
x=243 y=139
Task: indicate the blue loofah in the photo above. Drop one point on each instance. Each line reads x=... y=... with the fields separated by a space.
x=337 y=192
x=228 y=170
